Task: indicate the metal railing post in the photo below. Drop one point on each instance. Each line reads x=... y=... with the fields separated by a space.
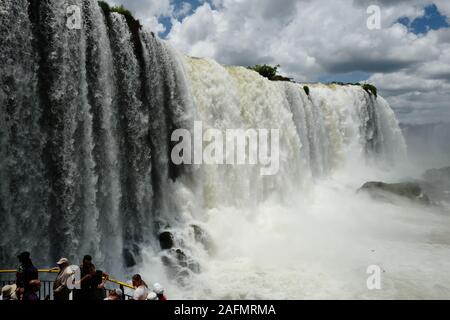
x=46 y=289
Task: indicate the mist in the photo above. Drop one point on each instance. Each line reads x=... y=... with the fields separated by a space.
x=317 y=236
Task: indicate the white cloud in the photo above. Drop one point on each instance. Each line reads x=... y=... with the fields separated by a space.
x=312 y=38
x=185 y=8
x=421 y=93
x=148 y=11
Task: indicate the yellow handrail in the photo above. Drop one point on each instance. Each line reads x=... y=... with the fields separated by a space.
x=120 y=283
x=56 y=270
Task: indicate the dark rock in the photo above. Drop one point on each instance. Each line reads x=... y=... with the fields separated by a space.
x=183 y=273
x=128 y=258
x=408 y=190
x=203 y=237
x=194 y=266
x=181 y=257
x=166 y=261
x=166 y=240
x=176 y=261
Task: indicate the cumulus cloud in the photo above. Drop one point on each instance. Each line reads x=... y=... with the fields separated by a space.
x=323 y=36
x=319 y=39
x=184 y=9
x=421 y=93
x=315 y=38
x=148 y=11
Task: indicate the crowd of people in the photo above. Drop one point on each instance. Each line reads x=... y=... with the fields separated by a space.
x=90 y=286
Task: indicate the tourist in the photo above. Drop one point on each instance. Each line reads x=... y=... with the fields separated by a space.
x=31 y=295
x=120 y=294
x=152 y=296
x=60 y=290
x=141 y=292
x=114 y=295
x=159 y=290
x=98 y=285
x=88 y=272
x=9 y=292
x=26 y=272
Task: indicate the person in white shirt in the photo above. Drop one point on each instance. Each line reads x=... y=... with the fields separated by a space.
x=159 y=290
x=9 y=292
x=60 y=290
x=152 y=296
x=114 y=295
x=141 y=291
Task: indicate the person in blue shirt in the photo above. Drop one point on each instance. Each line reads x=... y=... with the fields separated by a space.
x=26 y=272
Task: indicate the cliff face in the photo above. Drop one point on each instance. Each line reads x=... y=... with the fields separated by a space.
x=86 y=122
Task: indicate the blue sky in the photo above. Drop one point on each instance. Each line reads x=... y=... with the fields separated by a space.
x=431 y=20
x=166 y=21
x=408 y=59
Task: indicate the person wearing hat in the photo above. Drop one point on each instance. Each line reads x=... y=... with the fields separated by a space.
x=114 y=295
x=26 y=272
x=60 y=290
x=32 y=295
x=9 y=292
x=152 y=296
x=159 y=290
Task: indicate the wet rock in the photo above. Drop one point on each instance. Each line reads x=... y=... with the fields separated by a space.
x=183 y=274
x=181 y=257
x=409 y=190
x=167 y=261
x=194 y=266
x=201 y=236
x=177 y=260
x=166 y=240
x=128 y=258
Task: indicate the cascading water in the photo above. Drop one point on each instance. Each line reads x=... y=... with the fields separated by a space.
x=87 y=115
x=86 y=118
x=22 y=176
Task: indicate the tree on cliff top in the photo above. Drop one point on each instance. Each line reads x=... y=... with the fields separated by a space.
x=269 y=72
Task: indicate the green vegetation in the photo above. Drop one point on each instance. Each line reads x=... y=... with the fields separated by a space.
x=371 y=89
x=306 y=88
x=107 y=10
x=121 y=10
x=345 y=84
x=269 y=72
x=105 y=7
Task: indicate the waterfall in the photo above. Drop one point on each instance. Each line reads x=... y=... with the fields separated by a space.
x=86 y=121
x=102 y=97
x=23 y=183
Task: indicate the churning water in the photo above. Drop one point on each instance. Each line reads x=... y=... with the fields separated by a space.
x=85 y=140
